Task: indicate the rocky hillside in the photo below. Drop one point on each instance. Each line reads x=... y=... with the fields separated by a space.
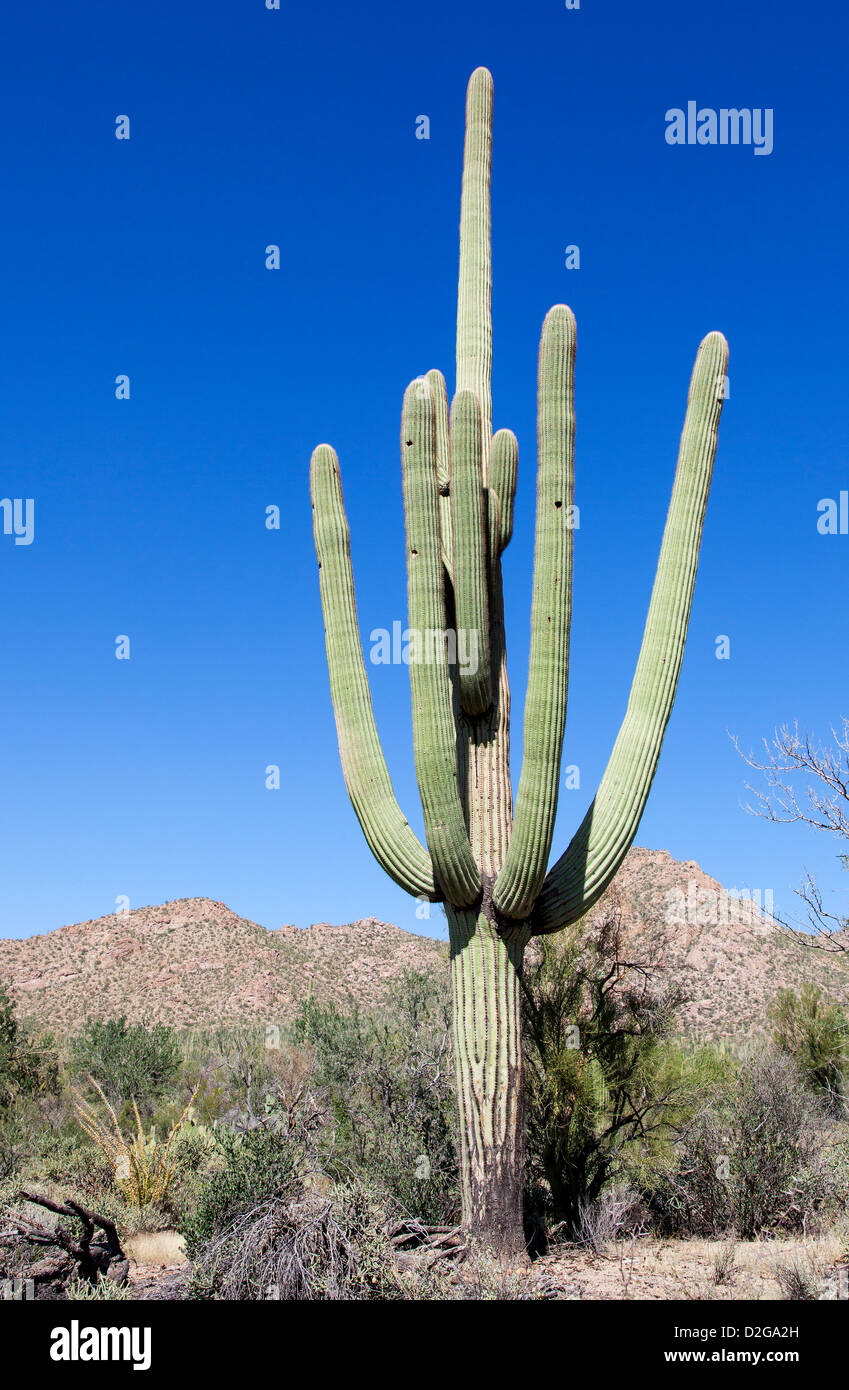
x=193 y=962
x=730 y=957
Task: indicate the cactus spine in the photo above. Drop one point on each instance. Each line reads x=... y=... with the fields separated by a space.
x=485 y=861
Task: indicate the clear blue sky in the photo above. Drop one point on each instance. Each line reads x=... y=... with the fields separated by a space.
x=145 y=777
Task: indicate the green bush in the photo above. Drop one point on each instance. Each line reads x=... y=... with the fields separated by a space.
x=816 y=1035
x=385 y=1081
x=257 y=1166
x=607 y=1090
x=129 y=1061
x=758 y=1157
x=28 y=1063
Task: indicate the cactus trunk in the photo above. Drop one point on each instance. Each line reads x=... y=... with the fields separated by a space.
x=489 y=866
x=486 y=966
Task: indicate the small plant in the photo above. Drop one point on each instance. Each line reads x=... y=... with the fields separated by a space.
x=725 y=1264
x=144 y=1168
x=613 y=1215
x=104 y=1290
x=796 y=1283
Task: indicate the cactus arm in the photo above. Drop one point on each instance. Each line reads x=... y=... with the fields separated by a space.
x=503 y=470
x=470 y=544
x=390 y=838
x=434 y=733
x=583 y=872
x=439 y=392
x=474 y=299
x=523 y=872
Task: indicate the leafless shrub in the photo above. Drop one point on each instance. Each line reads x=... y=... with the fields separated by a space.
x=316 y=1247
x=615 y=1214
x=796 y=1282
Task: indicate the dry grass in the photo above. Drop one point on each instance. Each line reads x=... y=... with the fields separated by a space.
x=160 y=1248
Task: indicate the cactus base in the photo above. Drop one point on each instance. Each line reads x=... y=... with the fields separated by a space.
x=486 y=967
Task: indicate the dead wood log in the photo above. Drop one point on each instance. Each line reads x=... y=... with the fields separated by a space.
x=87 y=1256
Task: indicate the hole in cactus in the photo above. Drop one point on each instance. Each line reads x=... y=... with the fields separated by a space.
x=409 y=442
x=558 y=504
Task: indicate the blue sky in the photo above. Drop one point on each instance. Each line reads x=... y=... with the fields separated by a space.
x=146 y=778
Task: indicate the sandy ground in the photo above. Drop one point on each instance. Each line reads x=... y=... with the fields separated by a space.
x=642 y=1269
x=157 y=1265
x=648 y=1268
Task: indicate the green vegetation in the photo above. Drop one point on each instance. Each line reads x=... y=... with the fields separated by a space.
x=816 y=1035
x=609 y=1084
x=384 y=1080
x=320 y=1152
x=27 y=1062
x=128 y=1061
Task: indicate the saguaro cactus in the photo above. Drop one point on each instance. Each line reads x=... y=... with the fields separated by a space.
x=486 y=860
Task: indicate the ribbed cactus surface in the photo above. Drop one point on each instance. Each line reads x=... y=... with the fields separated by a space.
x=486 y=860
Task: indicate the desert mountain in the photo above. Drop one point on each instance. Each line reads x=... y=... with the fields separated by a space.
x=194 y=963
x=729 y=954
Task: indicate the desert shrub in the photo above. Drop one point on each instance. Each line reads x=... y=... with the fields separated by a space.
x=755 y=1159
x=193 y=1156
x=254 y=1167
x=28 y=1062
x=615 y=1213
x=245 y=1075
x=127 y=1060
x=143 y=1166
x=384 y=1078
x=65 y=1157
x=725 y=1264
x=796 y=1281
x=607 y=1089
x=103 y=1291
x=16 y=1137
x=815 y=1034
x=304 y=1246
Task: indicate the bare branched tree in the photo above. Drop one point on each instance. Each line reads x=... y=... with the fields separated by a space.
x=806 y=783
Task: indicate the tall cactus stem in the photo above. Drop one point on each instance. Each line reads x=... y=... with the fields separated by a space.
x=470 y=553
x=474 y=300
x=434 y=732
x=487 y=862
x=551 y=612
